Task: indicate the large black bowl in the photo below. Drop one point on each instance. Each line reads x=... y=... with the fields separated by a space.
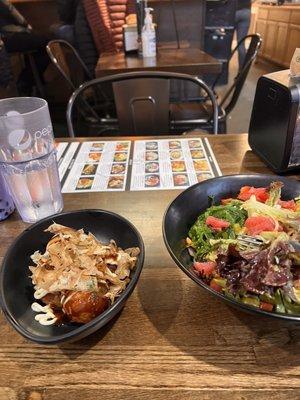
x=184 y=210
x=17 y=289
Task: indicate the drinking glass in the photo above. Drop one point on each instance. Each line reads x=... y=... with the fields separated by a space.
x=6 y=203
x=28 y=157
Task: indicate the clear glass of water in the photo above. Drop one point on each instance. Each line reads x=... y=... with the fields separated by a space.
x=28 y=157
x=6 y=203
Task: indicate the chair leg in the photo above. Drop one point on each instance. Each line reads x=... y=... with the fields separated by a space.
x=222 y=127
x=36 y=75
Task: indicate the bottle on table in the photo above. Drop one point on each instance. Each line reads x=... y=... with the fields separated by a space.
x=148 y=35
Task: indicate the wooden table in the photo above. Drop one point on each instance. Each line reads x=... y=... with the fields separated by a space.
x=172 y=339
x=191 y=61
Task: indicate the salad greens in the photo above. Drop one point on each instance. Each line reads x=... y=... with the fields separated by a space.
x=204 y=238
x=248 y=248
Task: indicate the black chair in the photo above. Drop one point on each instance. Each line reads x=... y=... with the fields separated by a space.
x=74 y=71
x=229 y=100
x=69 y=63
x=141 y=102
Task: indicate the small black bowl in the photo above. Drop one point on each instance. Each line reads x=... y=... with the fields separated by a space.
x=17 y=289
x=184 y=210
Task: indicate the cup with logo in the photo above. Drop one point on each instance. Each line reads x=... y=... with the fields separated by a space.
x=28 y=157
x=6 y=203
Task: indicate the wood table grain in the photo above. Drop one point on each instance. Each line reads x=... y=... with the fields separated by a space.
x=191 y=61
x=172 y=340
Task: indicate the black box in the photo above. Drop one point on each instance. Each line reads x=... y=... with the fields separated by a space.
x=274 y=132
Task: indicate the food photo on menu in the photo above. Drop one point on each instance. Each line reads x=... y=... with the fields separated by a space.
x=94 y=157
x=116 y=182
x=84 y=183
x=201 y=165
x=152 y=180
x=194 y=143
x=151 y=145
x=122 y=146
x=89 y=169
x=118 y=168
x=174 y=144
x=197 y=153
x=175 y=155
x=181 y=180
x=151 y=156
x=120 y=156
x=178 y=166
x=97 y=146
x=151 y=167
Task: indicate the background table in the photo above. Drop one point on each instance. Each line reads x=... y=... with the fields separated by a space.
x=191 y=61
x=172 y=340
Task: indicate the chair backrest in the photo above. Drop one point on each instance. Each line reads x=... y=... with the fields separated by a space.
x=231 y=96
x=141 y=101
x=69 y=63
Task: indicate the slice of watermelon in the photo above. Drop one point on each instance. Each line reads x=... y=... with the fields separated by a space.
x=256 y=225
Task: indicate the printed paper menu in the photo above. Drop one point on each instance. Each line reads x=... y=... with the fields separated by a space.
x=171 y=164
x=100 y=166
x=94 y=166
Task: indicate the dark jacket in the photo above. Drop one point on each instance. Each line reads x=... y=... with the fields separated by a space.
x=5 y=67
x=241 y=4
x=67 y=10
x=10 y=17
x=84 y=40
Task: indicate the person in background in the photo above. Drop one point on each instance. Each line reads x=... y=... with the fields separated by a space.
x=84 y=41
x=67 y=13
x=106 y=19
x=19 y=37
x=242 y=23
x=74 y=29
x=5 y=67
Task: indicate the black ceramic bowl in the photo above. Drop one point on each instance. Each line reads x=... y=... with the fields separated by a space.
x=17 y=289
x=184 y=210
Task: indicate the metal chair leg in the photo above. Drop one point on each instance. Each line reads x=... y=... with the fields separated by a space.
x=36 y=75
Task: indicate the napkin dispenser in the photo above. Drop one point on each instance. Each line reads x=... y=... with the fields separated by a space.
x=274 y=132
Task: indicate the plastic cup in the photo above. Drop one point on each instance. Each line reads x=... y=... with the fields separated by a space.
x=28 y=157
x=6 y=203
